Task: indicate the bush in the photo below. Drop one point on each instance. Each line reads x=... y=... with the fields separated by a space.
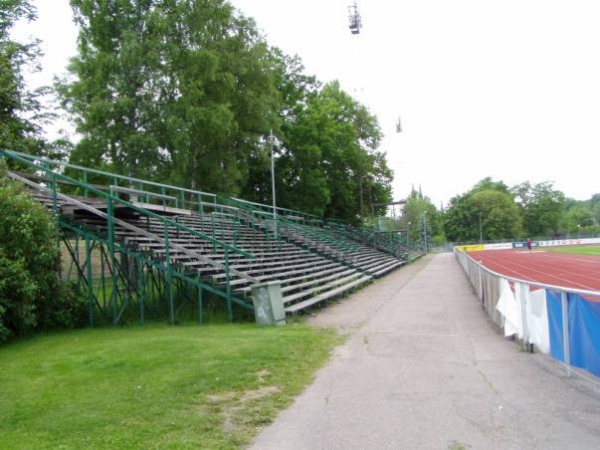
x=32 y=297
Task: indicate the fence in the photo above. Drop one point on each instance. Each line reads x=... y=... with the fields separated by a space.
x=562 y=322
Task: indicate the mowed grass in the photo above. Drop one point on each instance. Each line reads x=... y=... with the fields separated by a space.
x=593 y=250
x=154 y=387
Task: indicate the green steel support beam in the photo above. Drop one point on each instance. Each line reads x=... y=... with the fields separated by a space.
x=113 y=259
x=169 y=277
x=200 y=305
x=228 y=287
x=90 y=279
x=141 y=288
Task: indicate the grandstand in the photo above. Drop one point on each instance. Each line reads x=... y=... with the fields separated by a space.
x=140 y=249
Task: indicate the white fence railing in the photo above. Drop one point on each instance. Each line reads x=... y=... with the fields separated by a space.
x=561 y=321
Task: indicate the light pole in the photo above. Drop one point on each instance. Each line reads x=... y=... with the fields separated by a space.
x=480 y=229
x=362 y=215
x=425 y=231
x=408 y=240
x=273 y=141
x=362 y=209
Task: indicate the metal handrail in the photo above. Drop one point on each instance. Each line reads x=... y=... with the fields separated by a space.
x=111 y=200
x=279 y=212
x=551 y=287
x=282 y=223
x=114 y=178
x=563 y=291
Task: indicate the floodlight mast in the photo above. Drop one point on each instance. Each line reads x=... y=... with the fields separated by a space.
x=354 y=17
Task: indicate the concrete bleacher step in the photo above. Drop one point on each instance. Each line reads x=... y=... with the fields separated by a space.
x=327 y=295
x=264 y=274
x=276 y=266
x=312 y=267
x=300 y=290
x=290 y=284
x=386 y=268
x=370 y=264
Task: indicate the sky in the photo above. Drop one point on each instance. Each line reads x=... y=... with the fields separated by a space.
x=485 y=88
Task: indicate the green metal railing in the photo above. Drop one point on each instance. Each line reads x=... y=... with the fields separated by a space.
x=391 y=242
x=281 y=213
x=111 y=242
x=91 y=180
x=222 y=221
x=286 y=223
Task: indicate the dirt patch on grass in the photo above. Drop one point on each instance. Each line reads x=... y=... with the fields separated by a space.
x=234 y=408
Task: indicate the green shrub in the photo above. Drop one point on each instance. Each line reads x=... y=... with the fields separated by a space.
x=32 y=296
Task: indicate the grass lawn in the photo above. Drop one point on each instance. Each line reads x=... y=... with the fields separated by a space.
x=593 y=250
x=155 y=386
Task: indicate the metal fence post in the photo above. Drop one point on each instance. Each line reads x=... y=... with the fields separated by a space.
x=523 y=293
x=565 y=324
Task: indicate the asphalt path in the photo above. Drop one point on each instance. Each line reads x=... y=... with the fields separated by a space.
x=424 y=368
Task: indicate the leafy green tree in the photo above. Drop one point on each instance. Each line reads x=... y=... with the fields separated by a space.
x=488 y=184
x=461 y=220
x=595 y=207
x=500 y=215
x=580 y=218
x=299 y=181
x=21 y=110
x=487 y=212
x=32 y=297
x=113 y=96
x=331 y=164
x=422 y=215
x=222 y=100
x=542 y=206
x=175 y=90
x=186 y=92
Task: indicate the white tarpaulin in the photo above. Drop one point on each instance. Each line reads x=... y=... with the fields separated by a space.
x=509 y=308
x=537 y=319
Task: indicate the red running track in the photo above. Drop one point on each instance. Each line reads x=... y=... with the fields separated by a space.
x=557 y=269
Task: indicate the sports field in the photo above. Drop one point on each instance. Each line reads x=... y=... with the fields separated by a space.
x=576 y=267
x=593 y=250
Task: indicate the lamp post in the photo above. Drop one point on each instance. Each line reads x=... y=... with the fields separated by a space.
x=480 y=229
x=362 y=209
x=361 y=203
x=408 y=240
x=273 y=141
x=425 y=231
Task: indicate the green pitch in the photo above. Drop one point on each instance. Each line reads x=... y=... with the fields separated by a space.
x=593 y=250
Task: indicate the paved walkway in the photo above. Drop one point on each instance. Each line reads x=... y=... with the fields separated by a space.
x=423 y=368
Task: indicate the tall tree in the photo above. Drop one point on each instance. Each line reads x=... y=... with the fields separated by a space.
x=179 y=90
x=187 y=91
x=421 y=213
x=294 y=89
x=542 y=206
x=113 y=96
x=21 y=111
x=221 y=98
x=487 y=212
x=331 y=164
x=595 y=206
x=488 y=184
x=580 y=217
x=498 y=214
